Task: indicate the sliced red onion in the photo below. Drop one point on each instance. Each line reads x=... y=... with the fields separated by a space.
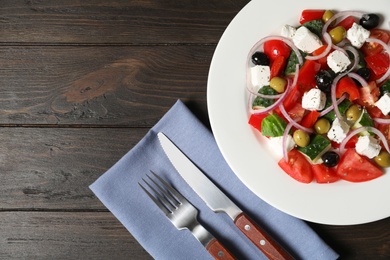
x=263 y=95
x=328 y=41
x=290 y=120
x=356 y=55
x=387 y=49
x=359 y=78
x=362 y=129
x=338 y=15
x=284 y=141
x=330 y=108
x=333 y=95
x=383 y=121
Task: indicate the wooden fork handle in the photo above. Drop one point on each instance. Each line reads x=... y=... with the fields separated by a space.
x=260 y=238
x=218 y=251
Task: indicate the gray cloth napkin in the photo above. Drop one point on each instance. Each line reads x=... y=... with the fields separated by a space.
x=119 y=191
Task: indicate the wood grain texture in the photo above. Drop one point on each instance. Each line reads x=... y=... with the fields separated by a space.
x=66 y=235
x=121 y=86
x=115 y=22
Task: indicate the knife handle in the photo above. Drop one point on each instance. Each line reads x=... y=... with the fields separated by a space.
x=260 y=238
x=218 y=251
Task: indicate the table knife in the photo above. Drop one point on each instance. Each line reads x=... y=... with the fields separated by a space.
x=219 y=202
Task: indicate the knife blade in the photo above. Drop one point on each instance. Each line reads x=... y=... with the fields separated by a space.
x=219 y=202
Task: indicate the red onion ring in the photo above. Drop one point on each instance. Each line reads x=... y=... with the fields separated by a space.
x=387 y=49
x=383 y=121
x=328 y=41
x=333 y=96
x=361 y=129
x=330 y=108
x=284 y=140
x=359 y=78
x=355 y=54
x=290 y=120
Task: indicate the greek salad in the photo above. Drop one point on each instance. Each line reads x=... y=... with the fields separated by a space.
x=320 y=92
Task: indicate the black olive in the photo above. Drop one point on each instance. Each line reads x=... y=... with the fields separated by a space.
x=364 y=73
x=260 y=58
x=324 y=80
x=330 y=159
x=369 y=21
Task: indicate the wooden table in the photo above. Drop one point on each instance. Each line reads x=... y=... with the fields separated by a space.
x=81 y=84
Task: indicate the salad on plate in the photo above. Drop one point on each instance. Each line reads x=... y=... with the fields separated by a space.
x=320 y=92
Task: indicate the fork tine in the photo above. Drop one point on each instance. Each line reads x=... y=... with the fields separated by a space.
x=178 y=197
x=158 y=202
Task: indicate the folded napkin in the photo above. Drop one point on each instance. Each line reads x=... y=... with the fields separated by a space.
x=119 y=191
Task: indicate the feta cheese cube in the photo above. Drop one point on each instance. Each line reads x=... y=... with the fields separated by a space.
x=288 y=31
x=368 y=146
x=305 y=40
x=384 y=103
x=357 y=35
x=314 y=99
x=338 y=61
x=276 y=144
x=338 y=131
x=260 y=75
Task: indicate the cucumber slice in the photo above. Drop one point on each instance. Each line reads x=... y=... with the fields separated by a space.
x=316 y=148
x=273 y=125
x=260 y=102
x=364 y=120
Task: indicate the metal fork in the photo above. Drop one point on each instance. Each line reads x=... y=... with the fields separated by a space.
x=182 y=214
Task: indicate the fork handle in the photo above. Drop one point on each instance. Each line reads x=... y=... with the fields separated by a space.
x=261 y=239
x=218 y=251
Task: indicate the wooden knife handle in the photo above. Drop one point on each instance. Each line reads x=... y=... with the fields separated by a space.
x=218 y=251
x=260 y=238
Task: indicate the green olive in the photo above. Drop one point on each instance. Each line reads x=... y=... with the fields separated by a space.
x=383 y=159
x=278 y=84
x=301 y=138
x=337 y=34
x=322 y=126
x=353 y=113
x=327 y=15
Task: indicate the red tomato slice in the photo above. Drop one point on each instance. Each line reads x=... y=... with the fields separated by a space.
x=278 y=66
x=255 y=120
x=323 y=174
x=323 y=61
x=297 y=167
x=349 y=86
x=306 y=77
x=378 y=63
x=350 y=144
x=294 y=96
x=356 y=168
x=385 y=129
x=371 y=48
x=276 y=48
x=311 y=14
x=347 y=22
x=310 y=119
x=369 y=94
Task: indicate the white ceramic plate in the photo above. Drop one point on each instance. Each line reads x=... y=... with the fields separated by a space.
x=246 y=151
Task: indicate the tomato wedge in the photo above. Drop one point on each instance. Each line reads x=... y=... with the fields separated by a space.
x=347 y=22
x=356 y=168
x=297 y=166
x=323 y=61
x=275 y=48
x=310 y=15
x=306 y=77
x=323 y=174
x=349 y=86
x=255 y=120
x=378 y=63
x=369 y=94
x=371 y=48
x=310 y=119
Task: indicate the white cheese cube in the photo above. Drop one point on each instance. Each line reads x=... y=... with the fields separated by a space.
x=288 y=31
x=276 y=144
x=314 y=99
x=357 y=35
x=338 y=61
x=368 y=146
x=305 y=40
x=260 y=75
x=384 y=103
x=338 y=131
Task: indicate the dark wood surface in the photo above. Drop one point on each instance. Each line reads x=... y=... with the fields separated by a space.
x=81 y=84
